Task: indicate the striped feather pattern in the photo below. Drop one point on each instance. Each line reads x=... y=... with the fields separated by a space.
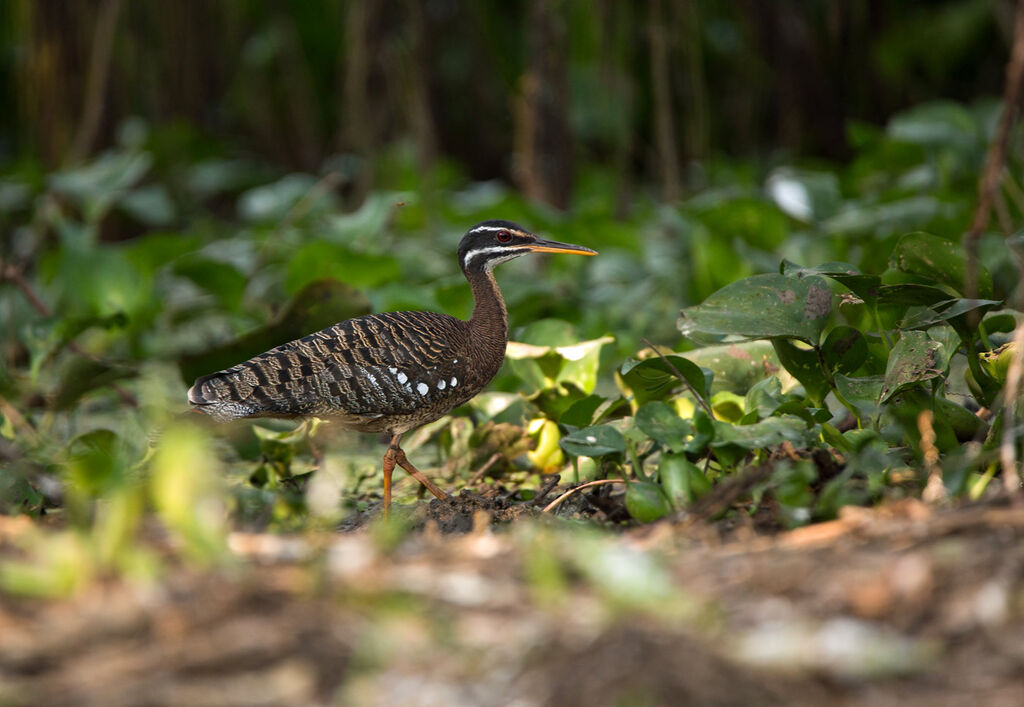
x=382 y=372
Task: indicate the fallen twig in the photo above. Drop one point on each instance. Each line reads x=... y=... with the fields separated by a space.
x=558 y=501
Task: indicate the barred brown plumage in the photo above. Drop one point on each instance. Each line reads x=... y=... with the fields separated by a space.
x=389 y=372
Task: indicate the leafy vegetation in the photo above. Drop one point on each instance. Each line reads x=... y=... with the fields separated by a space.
x=842 y=354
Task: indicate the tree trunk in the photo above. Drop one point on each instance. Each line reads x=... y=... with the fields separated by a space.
x=543 y=160
x=664 y=115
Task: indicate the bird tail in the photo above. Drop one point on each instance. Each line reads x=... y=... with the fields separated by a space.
x=213 y=394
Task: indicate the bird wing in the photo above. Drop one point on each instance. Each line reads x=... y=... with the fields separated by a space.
x=368 y=367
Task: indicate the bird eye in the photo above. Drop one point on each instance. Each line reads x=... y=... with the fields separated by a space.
x=504 y=236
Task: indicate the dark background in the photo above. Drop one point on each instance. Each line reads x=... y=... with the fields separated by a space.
x=530 y=91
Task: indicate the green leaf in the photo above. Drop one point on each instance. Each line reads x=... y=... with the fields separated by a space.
x=646 y=502
x=803 y=364
x=727 y=405
x=764 y=397
x=953 y=311
x=937 y=259
x=581 y=413
x=764 y=306
x=914 y=358
x=704 y=433
x=864 y=286
x=681 y=479
x=766 y=433
x=596 y=441
x=653 y=379
x=546 y=366
x=661 y=423
x=907 y=294
x=844 y=350
x=863 y=393
x=966 y=425
x=737 y=366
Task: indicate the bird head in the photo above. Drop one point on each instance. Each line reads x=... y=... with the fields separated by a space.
x=491 y=242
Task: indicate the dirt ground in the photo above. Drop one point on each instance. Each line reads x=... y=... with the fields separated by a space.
x=902 y=605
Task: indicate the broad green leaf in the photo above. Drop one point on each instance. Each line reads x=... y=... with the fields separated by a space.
x=809 y=415
x=764 y=397
x=844 y=350
x=966 y=425
x=804 y=365
x=596 y=441
x=581 y=413
x=737 y=366
x=646 y=502
x=727 y=406
x=547 y=366
x=914 y=358
x=864 y=286
x=908 y=294
x=863 y=393
x=937 y=259
x=764 y=306
x=681 y=479
x=653 y=379
x=661 y=423
x=953 y=311
x=766 y=433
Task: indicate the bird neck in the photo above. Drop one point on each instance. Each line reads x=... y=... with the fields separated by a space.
x=489 y=322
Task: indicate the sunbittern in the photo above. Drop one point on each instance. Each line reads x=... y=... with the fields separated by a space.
x=388 y=372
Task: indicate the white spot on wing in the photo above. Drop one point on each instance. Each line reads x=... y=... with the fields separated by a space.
x=440 y=385
x=422 y=388
x=402 y=378
x=392 y=370
x=454 y=381
x=373 y=380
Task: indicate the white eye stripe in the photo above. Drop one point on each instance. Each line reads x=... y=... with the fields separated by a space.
x=493 y=249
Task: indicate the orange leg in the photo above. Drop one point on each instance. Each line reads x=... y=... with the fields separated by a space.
x=389 y=467
x=394 y=456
